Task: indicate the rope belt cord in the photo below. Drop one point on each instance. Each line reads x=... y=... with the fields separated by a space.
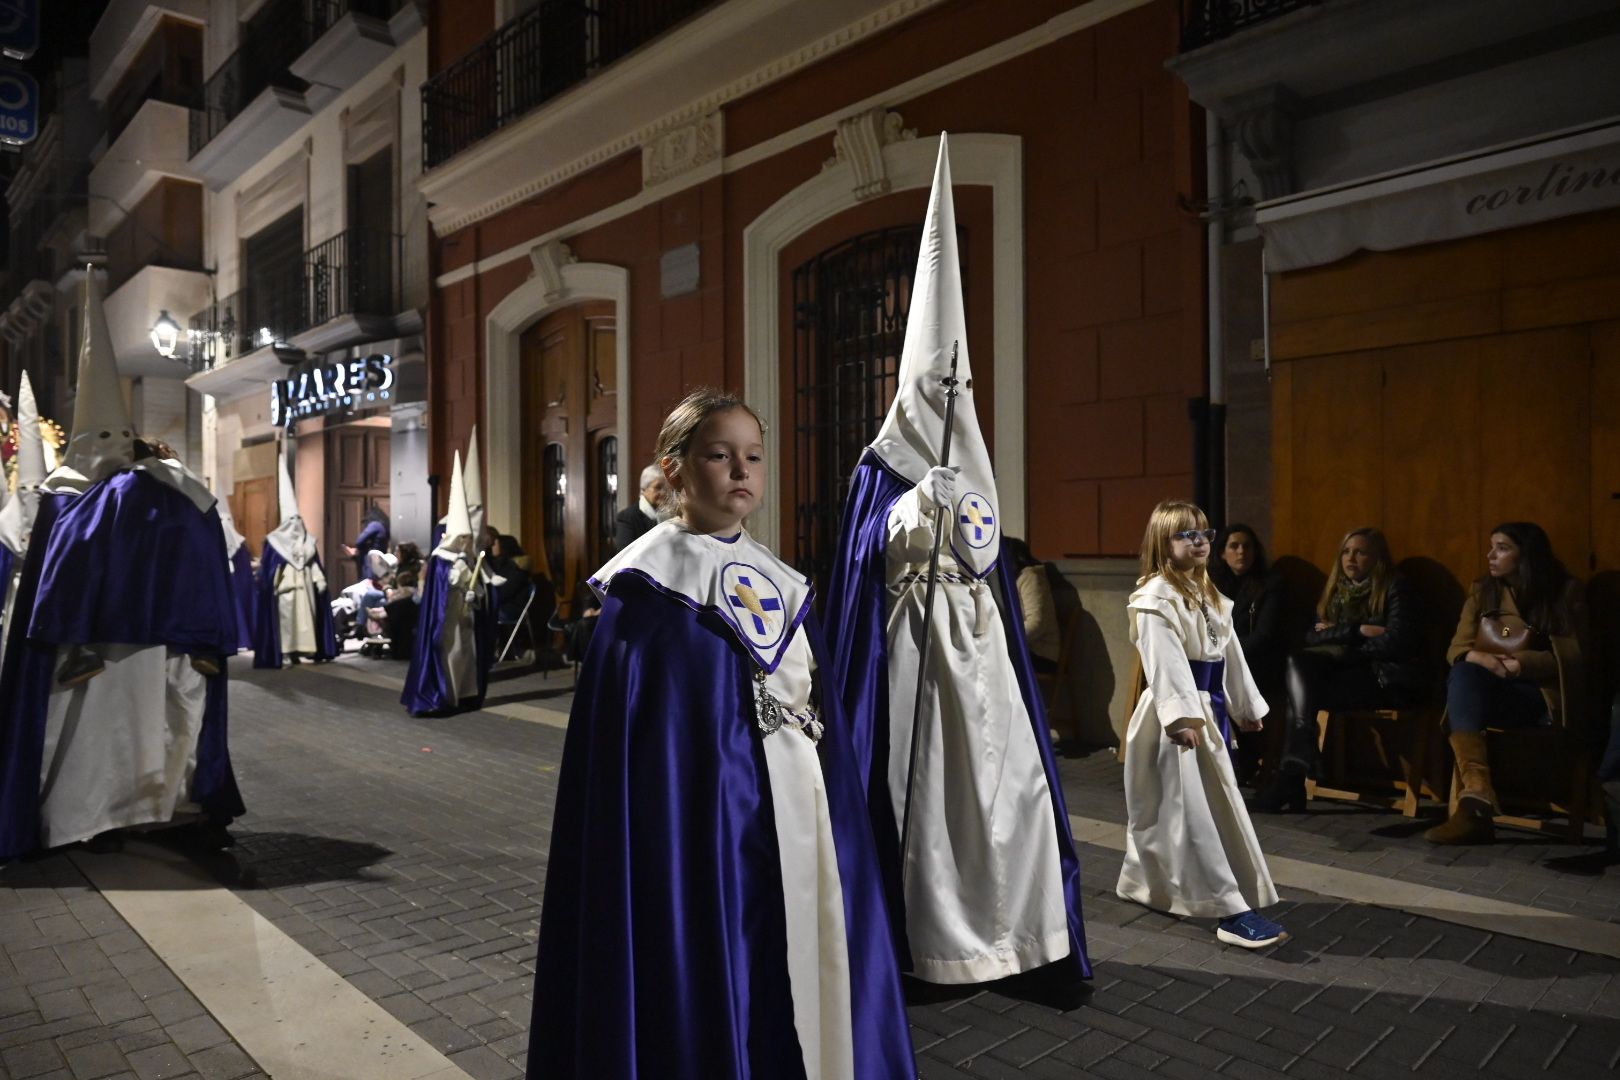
x=1210 y=677
x=947 y=576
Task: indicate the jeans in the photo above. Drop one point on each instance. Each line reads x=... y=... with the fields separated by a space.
x=1476 y=699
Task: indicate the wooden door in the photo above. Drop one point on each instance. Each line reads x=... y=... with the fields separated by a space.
x=570 y=406
x=253 y=505
x=357 y=461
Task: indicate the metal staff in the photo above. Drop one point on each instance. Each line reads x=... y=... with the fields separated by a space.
x=949 y=382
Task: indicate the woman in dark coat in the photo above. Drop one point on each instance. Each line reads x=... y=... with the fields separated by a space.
x=1258 y=604
x=1365 y=652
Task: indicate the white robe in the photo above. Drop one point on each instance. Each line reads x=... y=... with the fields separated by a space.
x=296 y=588
x=1189 y=846
x=458 y=650
x=120 y=749
x=812 y=892
x=984 y=878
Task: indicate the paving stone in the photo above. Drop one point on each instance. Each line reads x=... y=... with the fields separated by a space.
x=94 y=1060
x=32 y=1059
x=224 y=1062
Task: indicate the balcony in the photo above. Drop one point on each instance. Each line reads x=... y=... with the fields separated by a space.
x=531 y=60
x=123 y=32
x=273 y=84
x=342 y=292
x=151 y=147
x=133 y=306
x=1204 y=22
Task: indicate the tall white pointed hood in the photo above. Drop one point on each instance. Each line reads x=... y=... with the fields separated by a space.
x=475 y=488
x=227 y=523
x=457 y=539
x=914 y=430
x=291 y=538
x=17 y=516
x=103 y=439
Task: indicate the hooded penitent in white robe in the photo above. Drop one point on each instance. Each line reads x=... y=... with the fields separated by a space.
x=17 y=515
x=458 y=646
x=1189 y=846
x=299 y=582
x=764 y=600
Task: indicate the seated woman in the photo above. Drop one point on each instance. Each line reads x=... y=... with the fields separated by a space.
x=1527 y=592
x=1363 y=653
x=1244 y=577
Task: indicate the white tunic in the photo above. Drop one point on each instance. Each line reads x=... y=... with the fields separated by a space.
x=296 y=588
x=121 y=748
x=696 y=566
x=983 y=878
x=458 y=651
x=1189 y=846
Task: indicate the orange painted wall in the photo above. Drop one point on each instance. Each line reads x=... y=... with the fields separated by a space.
x=1114 y=269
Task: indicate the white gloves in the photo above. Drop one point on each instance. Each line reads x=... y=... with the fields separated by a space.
x=937 y=489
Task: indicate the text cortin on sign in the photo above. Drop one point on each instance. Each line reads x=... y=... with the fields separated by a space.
x=360 y=383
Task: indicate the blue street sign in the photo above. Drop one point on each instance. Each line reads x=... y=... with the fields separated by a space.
x=19 y=106
x=19 y=28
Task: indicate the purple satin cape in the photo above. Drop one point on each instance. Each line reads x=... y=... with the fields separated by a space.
x=663 y=940
x=427 y=690
x=242 y=592
x=28 y=668
x=857 y=608
x=131 y=562
x=8 y=559
x=267 y=615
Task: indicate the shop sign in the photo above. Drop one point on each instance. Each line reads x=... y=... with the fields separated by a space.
x=19 y=106
x=19 y=28
x=346 y=384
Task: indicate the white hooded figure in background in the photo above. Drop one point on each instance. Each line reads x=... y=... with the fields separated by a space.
x=17 y=516
x=989 y=877
x=293 y=617
x=445 y=673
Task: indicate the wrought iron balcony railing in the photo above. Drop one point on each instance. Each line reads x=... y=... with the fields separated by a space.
x=1204 y=22
x=535 y=57
x=354 y=273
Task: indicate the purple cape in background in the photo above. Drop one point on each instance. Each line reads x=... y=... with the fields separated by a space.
x=28 y=668
x=663 y=940
x=426 y=688
x=267 y=614
x=242 y=590
x=858 y=608
x=8 y=559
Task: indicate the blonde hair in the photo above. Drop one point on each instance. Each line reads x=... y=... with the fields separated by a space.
x=682 y=424
x=1168 y=518
x=1383 y=570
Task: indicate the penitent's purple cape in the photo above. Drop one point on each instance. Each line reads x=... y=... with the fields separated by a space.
x=427 y=690
x=242 y=592
x=8 y=560
x=663 y=941
x=267 y=614
x=62 y=615
x=858 y=607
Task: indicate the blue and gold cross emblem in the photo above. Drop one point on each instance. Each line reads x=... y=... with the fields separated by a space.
x=744 y=598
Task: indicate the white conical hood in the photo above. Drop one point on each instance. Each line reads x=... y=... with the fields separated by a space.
x=103 y=439
x=17 y=516
x=475 y=488
x=227 y=523
x=291 y=538
x=457 y=524
x=911 y=436
x=286 y=497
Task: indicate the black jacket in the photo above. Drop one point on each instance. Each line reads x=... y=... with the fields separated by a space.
x=1396 y=655
x=629 y=526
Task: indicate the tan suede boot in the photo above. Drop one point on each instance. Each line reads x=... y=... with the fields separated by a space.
x=1471 y=822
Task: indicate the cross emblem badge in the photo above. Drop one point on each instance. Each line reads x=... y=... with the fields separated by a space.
x=976 y=519
x=743 y=597
x=754 y=604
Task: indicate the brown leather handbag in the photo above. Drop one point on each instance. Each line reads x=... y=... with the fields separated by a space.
x=1504 y=634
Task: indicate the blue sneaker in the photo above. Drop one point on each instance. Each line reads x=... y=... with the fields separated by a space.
x=1251 y=930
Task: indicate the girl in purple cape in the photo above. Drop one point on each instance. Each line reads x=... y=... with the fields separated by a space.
x=712 y=902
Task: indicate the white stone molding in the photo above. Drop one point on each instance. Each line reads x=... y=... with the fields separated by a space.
x=558 y=281
x=993 y=161
x=678 y=150
x=859 y=143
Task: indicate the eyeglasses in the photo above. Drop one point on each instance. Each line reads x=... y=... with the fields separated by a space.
x=1193 y=536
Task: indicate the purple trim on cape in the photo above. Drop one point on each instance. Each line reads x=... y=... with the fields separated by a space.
x=769 y=662
x=427 y=689
x=132 y=562
x=267 y=614
x=26 y=672
x=663 y=938
x=858 y=608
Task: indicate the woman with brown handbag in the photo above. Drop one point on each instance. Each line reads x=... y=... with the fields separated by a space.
x=1517 y=647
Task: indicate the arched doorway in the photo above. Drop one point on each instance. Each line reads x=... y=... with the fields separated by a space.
x=570 y=478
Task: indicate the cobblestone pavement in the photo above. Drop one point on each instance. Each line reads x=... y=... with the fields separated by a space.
x=409 y=855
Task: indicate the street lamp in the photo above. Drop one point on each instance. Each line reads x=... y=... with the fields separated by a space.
x=165 y=335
